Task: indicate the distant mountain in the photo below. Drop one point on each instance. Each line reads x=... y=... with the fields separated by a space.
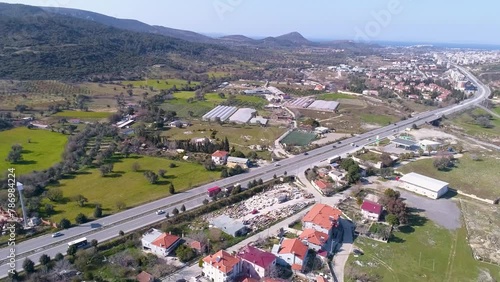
x=237 y=38
x=132 y=25
x=289 y=40
x=295 y=38
x=35 y=44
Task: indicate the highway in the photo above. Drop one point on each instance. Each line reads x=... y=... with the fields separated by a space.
x=108 y=227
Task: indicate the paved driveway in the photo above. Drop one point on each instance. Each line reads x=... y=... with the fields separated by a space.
x=445 y=212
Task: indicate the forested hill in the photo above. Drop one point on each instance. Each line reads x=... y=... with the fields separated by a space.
x=35 y=44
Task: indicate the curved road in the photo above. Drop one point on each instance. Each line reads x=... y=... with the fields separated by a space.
x=107 y=228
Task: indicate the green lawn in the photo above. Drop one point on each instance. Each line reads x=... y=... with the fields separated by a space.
x=496 y=109
x=83 y=115
x=163 y=83
x=480 y=178
x=42 y=152
x=466 y=122
x=370 y=156
x=421 y=253
x=241 y=136
x=377 y=119
x=125 y=185
x=184 y=95
x=335 y=96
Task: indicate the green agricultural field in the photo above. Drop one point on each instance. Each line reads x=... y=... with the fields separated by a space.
x=496 y=109
x=160 y=84
x=335 y=96
x=83 y=115
x=377 y=119
x=44 y=150
x=420 y=253
x=479 y=177
x=127 y=186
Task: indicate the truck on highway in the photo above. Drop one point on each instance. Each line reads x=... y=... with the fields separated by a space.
x=213 y=191
x=333 y=159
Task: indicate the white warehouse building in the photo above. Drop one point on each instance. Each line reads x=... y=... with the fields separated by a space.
x=423 y=185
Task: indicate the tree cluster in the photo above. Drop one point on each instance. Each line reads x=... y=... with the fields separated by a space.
x=353 y=170
x=396 y=208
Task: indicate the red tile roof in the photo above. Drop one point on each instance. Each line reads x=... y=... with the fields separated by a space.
x=296 y=266
x=372 y=207
x=293 y=246
x=323 y=215
x=197 y=245
x=249 y=279
x=256 y=256
x=320 y=278
x=220 y=154
x=165 y=240
x=314 y=237
x=144 y=277
x=222 y=260
x=321 y=184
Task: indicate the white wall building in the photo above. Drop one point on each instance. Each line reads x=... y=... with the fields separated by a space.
x=159 y=243
x=221 y=267
x=423 y=185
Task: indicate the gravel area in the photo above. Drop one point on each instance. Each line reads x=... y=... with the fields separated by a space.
x=444 y=212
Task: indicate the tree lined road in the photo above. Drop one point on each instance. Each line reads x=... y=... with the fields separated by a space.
x=107 y=228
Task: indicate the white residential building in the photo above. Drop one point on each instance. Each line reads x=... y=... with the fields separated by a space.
x=221 y=267
x=159 y=243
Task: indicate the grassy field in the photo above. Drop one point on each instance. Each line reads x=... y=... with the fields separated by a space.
x=377 y=119
x=42 y=152
x=241 y=136
x=127 y=186
x=370 y=156
x=335 y=96
x=160 y=84
x=421 y=253
x=496 y=109
x=466 y=122
x=83 y=115
x=297 y=138
x=480 y=178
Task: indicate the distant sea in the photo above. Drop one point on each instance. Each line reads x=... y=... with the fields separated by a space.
x=442 y=45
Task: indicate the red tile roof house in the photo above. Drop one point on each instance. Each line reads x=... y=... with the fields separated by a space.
x=198 y=246
x=159 y=243
x=291 y=252
x=326 y=219
x=145 y=277
x=322 y=186
x=316 y=240
x=256 y=263
x=221 y=266
x=220 y=157
x=371 y=210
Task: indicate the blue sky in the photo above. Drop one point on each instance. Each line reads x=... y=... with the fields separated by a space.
x=448 y=21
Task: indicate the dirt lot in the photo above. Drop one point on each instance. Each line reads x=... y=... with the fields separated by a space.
x=483 y=223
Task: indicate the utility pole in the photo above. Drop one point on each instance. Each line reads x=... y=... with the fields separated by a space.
x=20 y=188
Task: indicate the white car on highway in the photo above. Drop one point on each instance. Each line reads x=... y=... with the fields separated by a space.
x=158 y=212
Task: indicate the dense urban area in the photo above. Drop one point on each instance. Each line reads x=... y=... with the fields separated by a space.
x=181 y=157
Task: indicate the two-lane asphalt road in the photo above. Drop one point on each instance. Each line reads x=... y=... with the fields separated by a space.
x=135 y=218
